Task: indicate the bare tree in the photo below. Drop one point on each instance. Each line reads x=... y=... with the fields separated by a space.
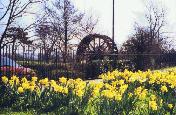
x=140 y=53
x=69 y=22
x=17 y=36
x=10 y=11
x=148 y=42
x=48 y=36
x=156 y=22
x=87 y=25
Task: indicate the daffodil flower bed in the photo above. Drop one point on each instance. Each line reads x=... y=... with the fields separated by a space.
x=149 y=92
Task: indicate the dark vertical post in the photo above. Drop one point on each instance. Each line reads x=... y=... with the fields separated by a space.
x=42 y=63
x=12 y=58
x=28 y=57
x=19 y=55
x=114 y=61
x=33 y=58
x=65 y=28
x=3 y=72
x=15 y=58
x=73 y=56
x=23 y=54
x=11 y=72
x=26 y=53
x=73 y=63
x=6 y=57
x=113 y=25
x=56 y=64
x=0 y=61
x=3 y=51
x=39 y=56
x=39 y=62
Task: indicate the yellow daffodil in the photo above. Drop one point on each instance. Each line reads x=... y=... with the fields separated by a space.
x=138 y=90
x=24 y=80
x=20 y=90
x=153 y=97
x=143 y=94
x=11 y=82
x=37 y=90
x=25 y=85
x=161 y=102
x=58 y=88
x=4 y=79
x=17 y=81
x=164 y=89
x=99 y=85
x=63 y=80
x=65 y=90
x=130 y=94
x=79 y=93
x=34 y=78
x=13 y=77
x=170 y=106
x=153 y=105
x=123 y=88
x=121 y=82
x=32 y=83
x=95 y=92
x=44 y=82
x=108 y=93
x=53 y=83
x=31 y=88
x=118 y=97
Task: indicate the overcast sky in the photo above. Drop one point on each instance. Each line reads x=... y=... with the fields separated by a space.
x=127 y=12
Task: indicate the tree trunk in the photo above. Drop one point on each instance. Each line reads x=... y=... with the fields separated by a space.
x=65 y=33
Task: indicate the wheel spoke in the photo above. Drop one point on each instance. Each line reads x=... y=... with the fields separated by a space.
x=99 y=45
x=93 y=48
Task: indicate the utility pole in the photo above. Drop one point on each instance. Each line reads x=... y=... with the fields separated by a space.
x=114 y=65
x=113 y=25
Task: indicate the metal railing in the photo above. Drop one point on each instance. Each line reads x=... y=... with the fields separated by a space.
x=51 y=64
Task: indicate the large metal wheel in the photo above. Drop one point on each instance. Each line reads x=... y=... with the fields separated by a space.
x=96 y=47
